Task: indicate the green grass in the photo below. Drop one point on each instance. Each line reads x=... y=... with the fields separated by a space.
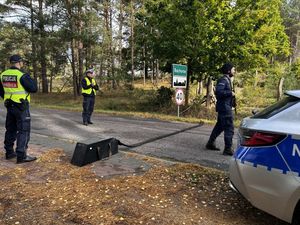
x=120 y=103
x=142 y=102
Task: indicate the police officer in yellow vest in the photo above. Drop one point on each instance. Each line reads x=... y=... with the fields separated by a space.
x=89 y=88
x=15 y=89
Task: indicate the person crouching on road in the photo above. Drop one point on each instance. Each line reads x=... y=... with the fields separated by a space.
x=15 y=89
x=89 y=88
x=225 y=100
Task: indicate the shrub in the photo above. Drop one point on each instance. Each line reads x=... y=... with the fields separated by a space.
x=164 y=96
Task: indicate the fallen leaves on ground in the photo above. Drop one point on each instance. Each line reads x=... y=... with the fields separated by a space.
x=52 y=191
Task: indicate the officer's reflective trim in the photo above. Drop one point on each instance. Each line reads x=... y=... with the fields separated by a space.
x=16 y=93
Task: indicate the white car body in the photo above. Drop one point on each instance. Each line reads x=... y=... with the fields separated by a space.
x=265 y=167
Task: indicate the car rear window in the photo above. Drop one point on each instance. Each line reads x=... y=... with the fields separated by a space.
x=279 y=106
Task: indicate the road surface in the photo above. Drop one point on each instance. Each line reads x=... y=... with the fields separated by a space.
x=61 y=128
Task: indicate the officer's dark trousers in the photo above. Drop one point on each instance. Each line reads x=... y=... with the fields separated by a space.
x=88 y=108
x=224 y=123
x=17 y=128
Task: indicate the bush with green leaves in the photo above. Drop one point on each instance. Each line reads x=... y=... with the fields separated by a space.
x=163 y=97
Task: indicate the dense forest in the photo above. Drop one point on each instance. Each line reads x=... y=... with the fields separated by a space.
x=127 y=39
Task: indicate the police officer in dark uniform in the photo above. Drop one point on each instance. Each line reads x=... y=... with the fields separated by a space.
x=15 y=89
x=225 y=103
x=89 y=88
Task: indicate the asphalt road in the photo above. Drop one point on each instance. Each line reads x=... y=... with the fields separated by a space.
x=58 y=128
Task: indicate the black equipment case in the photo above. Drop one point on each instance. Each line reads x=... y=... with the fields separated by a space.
x=91 y=151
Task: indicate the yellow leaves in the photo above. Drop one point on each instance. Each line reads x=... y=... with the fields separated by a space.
x=85 y=198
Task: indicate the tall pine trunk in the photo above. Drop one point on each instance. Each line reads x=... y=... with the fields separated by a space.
x=120 y=44
x=132 y=38
x=33 y=45
x=80 y=52
x=74 y=57
x=111 y=46
x=43 y=48
x=73 y=65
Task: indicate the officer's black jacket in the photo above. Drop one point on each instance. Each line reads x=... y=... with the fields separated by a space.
x=26 y=81
x=224 y=95
x=85 y=86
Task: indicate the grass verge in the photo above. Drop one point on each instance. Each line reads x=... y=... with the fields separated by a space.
x=133 y=103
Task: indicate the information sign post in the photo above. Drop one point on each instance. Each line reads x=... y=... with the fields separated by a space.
x=179 y=97
x=179 y=73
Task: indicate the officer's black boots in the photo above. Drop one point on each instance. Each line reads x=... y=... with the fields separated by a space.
x=26 y=159
x=212 y=146
x=85 y=123
x=228 y=151
x=90 y=122
x=10 y=155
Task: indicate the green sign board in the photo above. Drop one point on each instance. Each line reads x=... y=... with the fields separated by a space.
x=179 y=73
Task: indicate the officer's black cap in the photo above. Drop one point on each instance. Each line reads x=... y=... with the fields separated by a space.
x=226 y=68
x=15 y=59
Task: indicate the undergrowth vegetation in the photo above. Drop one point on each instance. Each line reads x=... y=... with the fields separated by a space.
x=158 y=100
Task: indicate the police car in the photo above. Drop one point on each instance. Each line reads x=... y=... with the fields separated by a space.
x=265 y=167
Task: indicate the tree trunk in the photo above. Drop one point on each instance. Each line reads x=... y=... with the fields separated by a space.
x=80 y=59
x=297 y=49
x=111 y=48
x=280 y=88
x=108 y=41
x=43 y=48
x=101 y=68
x=73 y=65
x=51 y=81
x=74 y=58
x=199 y=87
x=255 y=78
x=209 y=92
x=121 y=23
x=152 y=74
x=33 y=45
x=157 y=71
x=132 y=39
x=187 y=90
x=144 y=64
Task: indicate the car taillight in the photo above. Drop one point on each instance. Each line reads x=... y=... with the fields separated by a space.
x=256 y=138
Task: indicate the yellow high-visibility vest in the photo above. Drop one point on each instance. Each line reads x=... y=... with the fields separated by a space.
x=88 y=82
x=12 y=86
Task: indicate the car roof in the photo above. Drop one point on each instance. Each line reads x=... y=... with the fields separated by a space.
x=295 y=93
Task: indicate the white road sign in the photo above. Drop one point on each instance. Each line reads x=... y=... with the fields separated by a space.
x=179 y=96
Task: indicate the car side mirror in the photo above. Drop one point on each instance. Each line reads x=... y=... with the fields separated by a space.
x=255 y=111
